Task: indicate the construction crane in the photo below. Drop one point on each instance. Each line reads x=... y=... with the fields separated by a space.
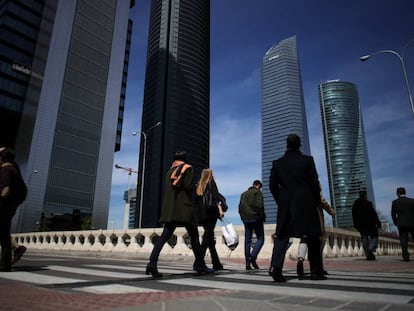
x=129 y=170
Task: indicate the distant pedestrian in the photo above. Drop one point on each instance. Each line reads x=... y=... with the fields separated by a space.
x=366 y=221
x=295 y=187
x=177 y=210
x=251 y=210
x=213 y=210
x=12 y=193
x=402 y=212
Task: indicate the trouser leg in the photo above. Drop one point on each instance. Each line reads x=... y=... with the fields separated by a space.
x=259 y=230
x=248 y=232
x=404 y=242
x=373 y=243
x=280 y=247
x=5 y=240
x=210 y=242
x=365 y=243
x=314 y=255
x=196 y=247
x=166 y=234
x=303 y=247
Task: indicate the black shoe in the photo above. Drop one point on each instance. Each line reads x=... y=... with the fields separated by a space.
x=325 y=272
x=406 y=259
x=276 y=274
x=299 y=268
x=218 y=267
x=318 y=277
x=204 y=270
x=154 y=272
x=248 y=267
x=254 y=263
x=2 y=269
x=370 y=256
x=18 y=253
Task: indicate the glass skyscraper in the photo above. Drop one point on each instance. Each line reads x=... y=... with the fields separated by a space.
x=177 y=94
x=345 y=146
x=63 y=67
x=283 y=110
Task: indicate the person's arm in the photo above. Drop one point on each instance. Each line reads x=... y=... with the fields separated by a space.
x=274 y=183
x=260 y=205
x=394 y=214
x=325 y=205
x=4 y=183
x=216 y=198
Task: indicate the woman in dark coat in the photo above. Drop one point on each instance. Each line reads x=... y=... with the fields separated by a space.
x=213 y=210
x=295 y=187
x=177 y=210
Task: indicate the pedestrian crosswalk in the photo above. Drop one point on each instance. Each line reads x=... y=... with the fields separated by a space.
x=129 y=277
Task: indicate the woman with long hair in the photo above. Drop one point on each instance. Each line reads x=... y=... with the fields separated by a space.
x=212 y=201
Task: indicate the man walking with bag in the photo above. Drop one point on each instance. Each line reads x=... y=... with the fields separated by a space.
x=251 y=210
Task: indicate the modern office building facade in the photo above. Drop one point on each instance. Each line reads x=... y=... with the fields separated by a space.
x=345 y=147
x=283 y=110
x=63 y=67
x=177 y=94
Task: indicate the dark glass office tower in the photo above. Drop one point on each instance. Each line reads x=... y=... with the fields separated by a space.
x=63 y=67
x=283 y=110
x=345 y=147
x=177 y=87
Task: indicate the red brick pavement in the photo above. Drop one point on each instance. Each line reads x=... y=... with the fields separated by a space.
x=16 y=296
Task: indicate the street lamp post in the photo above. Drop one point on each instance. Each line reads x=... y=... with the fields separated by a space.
x=401 y=58
x=144 y=135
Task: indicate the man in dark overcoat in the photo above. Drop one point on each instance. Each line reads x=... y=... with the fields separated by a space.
x=295 y=187
x=402 y=212
x=366 y=221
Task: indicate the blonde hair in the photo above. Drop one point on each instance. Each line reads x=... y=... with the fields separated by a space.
x=206 y=177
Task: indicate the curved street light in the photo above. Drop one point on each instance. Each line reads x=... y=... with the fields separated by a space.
x=401 y=58
x=143 y=169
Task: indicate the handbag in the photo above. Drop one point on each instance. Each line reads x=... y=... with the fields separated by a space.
x=231 y=238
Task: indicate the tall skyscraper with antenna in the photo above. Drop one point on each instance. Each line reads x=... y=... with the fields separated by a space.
x=283 y=110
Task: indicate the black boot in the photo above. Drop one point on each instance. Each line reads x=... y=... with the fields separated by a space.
x=276 y=274
x=154 y=272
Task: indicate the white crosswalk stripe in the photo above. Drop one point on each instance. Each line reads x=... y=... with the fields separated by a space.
x=382 y=287
x=36 y=278
x=116 y=289
x=109 y=274
x=303 y=292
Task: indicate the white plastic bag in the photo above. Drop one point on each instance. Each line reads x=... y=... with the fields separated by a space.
x=230 y=235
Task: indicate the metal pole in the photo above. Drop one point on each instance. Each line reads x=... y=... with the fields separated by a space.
x=141 y=198
x=366 y=57
x=142 y=180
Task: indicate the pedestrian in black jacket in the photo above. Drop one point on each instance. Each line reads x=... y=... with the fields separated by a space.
x=366 y=221
x=402 y=212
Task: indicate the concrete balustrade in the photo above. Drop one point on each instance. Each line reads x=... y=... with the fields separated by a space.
x=138 y=243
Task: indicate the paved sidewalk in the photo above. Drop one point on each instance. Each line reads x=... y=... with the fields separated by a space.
x=22 y=296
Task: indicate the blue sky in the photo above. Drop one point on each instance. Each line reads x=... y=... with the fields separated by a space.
x=331 y=36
